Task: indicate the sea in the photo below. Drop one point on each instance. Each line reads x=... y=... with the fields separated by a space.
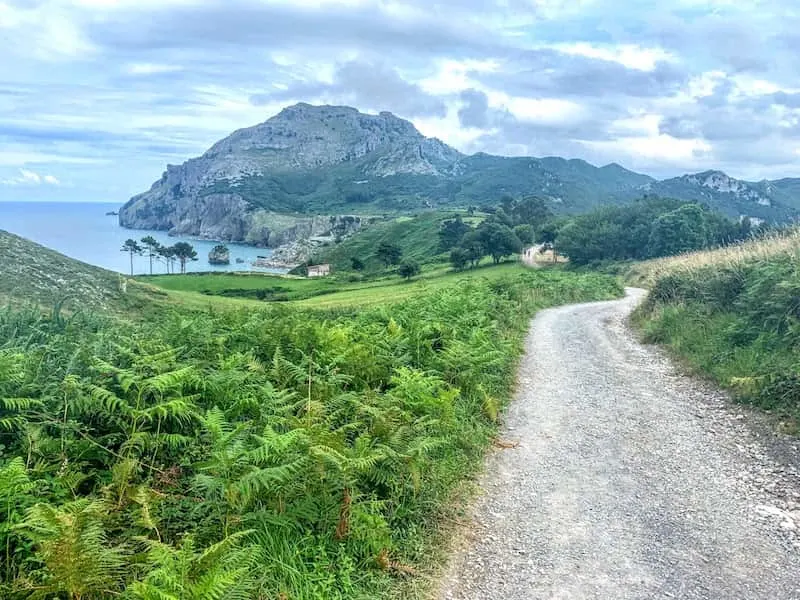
x=85 y=231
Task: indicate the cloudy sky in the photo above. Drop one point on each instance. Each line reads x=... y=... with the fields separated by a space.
x=97 y=96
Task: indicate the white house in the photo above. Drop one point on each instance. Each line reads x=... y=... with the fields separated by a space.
x=319 y=270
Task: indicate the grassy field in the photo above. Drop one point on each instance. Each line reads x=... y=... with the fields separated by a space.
x=786 y=244
x=226 y=289
x=732 y=314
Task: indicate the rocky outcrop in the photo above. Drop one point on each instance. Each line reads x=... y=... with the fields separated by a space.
x=219 y=255
x=203 y=196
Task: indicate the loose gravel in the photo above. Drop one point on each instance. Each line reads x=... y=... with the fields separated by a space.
x=630 y=480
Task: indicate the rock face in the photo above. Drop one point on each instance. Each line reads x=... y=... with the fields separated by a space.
x=200 y=197
x=219 y=255
x=268 y=184
x=734 y=197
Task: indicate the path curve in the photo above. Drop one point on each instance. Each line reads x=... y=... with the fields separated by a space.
x=629 y=481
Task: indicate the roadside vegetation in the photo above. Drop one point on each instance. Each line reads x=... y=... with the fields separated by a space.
x=647 y=228
x=734 y=314
x=268 y=451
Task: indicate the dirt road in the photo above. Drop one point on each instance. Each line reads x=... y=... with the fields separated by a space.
x=629 y=481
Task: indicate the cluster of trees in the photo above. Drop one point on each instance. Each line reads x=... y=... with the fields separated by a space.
x=511 y=226
x=182 y=252
x=648 y=228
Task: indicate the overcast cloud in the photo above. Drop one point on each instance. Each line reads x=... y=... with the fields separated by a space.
x=97 y=96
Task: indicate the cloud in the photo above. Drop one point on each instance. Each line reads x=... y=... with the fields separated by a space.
x=27 y=177
x=151 y=68
x=474 y=111
x=367 y=85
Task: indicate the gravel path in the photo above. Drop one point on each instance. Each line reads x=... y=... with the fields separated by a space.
x=629 y=480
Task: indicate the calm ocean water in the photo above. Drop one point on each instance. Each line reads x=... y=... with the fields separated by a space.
x=84 y=231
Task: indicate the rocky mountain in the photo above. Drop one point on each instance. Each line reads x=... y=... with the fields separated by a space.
x=728 y=195
x=269 y=184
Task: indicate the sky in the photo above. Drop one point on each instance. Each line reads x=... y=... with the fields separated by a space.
x=98 y=96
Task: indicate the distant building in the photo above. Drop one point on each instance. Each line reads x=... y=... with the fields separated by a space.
x=319 y=270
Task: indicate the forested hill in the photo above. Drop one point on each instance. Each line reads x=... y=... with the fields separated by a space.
x=334 y=160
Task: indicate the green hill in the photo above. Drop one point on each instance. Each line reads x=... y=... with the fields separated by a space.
x=33 y=274
x=417 y=237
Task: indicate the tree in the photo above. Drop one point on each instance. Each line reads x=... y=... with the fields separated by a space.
x=474 y=247
x=389 y=253
x=678 y=231
x=357 y=264
x=459 y=258
x=525 y=233
x=152 y=247
x=184 y=251
x=507 y=202
x=531 y=210
x=498 y=240
x=168 y=254
x=131 y=247
x=502 y=217
x=615 y=232
x=451 y=232
x=409 y=268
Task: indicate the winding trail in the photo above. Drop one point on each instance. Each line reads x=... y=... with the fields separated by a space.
x=629 y=480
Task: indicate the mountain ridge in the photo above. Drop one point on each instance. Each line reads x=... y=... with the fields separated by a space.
x=333 y=160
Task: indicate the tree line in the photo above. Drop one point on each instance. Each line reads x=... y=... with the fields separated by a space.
x=180 y=252
x=647 y=228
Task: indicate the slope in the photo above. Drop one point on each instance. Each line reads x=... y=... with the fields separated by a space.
x=33 y=274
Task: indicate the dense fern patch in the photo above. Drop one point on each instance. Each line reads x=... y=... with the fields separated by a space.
x=277 y=453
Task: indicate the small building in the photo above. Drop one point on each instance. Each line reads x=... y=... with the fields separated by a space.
x=319 y=270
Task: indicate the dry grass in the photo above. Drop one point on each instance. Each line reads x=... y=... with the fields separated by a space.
x=756 y=250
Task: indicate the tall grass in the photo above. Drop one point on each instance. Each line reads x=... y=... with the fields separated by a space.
x=733 y=314
x=766 y=248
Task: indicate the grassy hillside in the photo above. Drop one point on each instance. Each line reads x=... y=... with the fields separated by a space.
x=33 y=274
x=418 y=237
x=226 y=289
x=733 y=314
x=259 y=450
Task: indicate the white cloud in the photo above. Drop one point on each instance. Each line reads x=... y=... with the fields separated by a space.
x=151 y=68
x=629 y=55
x=28 y=177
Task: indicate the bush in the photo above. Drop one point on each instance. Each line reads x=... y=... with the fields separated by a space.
x=409 y=269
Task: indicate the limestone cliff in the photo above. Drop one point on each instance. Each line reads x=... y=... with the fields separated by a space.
x=213 y=196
